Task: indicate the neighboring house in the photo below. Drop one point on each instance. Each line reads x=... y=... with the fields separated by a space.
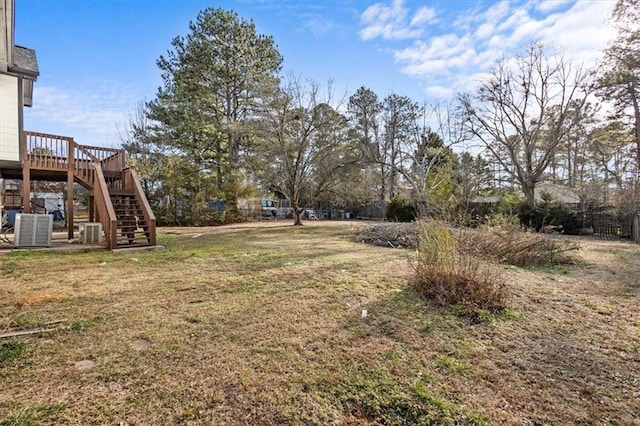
x=560 y=193
x=487 y=200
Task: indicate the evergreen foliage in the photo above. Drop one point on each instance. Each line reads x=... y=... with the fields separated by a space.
x=400 y=209
x=213 y=80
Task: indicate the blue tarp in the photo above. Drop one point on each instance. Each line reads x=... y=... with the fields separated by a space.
x=216 y=205
x=11 y=217
x=57 y=214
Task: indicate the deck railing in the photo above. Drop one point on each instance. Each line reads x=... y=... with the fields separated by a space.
x=55 y=152
x=48 y=151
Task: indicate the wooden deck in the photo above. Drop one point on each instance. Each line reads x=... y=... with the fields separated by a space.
x=103 y=172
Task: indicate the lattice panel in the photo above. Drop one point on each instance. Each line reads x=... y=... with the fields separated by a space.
x=33 y=230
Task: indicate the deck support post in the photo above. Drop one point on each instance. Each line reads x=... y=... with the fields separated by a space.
x=26 y=188
x=71 y=167
x=92 y=208
x=69 y=211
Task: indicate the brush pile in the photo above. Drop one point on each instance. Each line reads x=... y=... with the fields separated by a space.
x=503 y=244
x=390 y=234
x=515 y=247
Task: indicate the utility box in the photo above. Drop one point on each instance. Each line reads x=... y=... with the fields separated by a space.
x=90 y=232
x=33 y=230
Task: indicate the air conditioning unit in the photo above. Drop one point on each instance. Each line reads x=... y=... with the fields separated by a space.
x=33 y=230
x=90 y=232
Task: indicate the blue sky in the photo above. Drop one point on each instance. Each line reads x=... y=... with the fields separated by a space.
x=97 y=58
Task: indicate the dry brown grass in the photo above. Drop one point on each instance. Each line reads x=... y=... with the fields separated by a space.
x=262 y=324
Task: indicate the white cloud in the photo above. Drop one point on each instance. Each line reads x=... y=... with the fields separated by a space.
x=317 y=24
x=582 y=31
x=485 y=30
x=393 y=22
x=424 y=15
x=497 y=12
x=478 y=37
x=439 y=92
x=548 y=5
x=88 y=113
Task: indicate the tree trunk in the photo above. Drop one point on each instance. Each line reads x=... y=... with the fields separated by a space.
x=423 y=207
x=636 y=129
x=528 y=188
x=297 y=214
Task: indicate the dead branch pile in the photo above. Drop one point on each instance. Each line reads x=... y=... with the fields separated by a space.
x=390 y=234
x=508 y=245
x=515 y=247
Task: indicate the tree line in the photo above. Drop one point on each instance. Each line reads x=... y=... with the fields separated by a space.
x=227 y=125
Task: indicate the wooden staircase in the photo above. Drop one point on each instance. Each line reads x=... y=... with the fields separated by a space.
x=116 y=198
x=131 y=227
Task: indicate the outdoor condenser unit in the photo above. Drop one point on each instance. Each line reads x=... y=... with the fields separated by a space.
x=33 y=230
x=90 y=232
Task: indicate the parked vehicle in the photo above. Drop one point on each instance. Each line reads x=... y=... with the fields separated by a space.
x=269 y=207
x=309 y=213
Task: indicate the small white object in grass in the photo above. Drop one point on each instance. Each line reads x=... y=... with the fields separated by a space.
x=135 y=259
x=364 y=313
x=102 y=263
x=85 y=364
x=197 y=235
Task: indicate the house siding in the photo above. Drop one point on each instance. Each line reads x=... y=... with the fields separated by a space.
x=9 y=118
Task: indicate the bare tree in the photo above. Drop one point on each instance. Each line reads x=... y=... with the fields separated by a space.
x=143 y=150
x=425 y=158
x=399 y=118
x=300 y=131
x=526 y=107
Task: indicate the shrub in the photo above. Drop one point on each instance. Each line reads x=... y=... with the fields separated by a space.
x=548 y=212
x=510 y=203
x=503 y=220
x=400 y=210
x=450 y=277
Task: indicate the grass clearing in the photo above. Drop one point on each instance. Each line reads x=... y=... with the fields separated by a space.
x=262 y=324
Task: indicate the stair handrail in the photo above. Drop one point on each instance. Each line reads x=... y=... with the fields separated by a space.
x=112 y=160
x=141 y=198
x=83 y=168
x=106 y=212
x=86 y=152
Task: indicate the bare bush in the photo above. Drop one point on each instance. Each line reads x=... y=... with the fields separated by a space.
x=451 y=277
